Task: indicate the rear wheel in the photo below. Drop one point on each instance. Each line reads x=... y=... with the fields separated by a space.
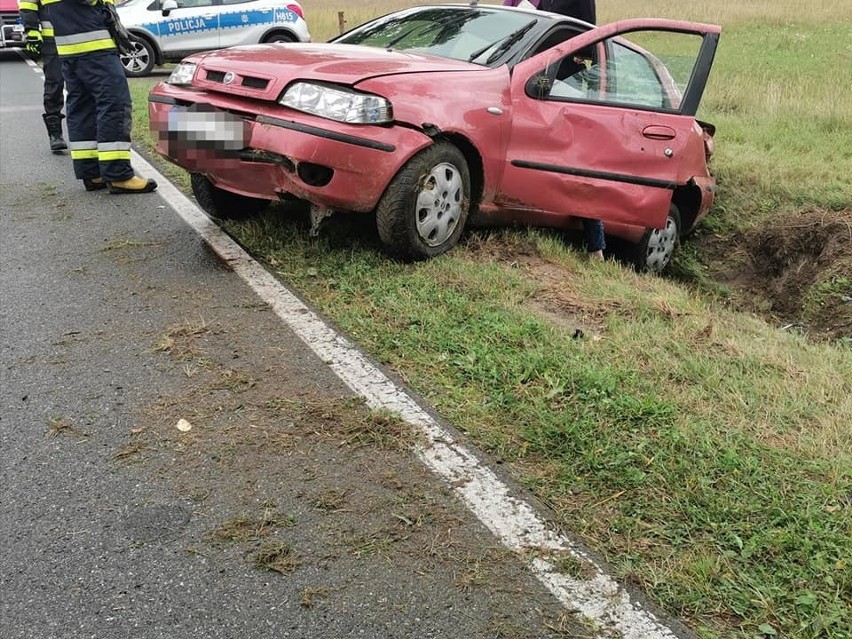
x=140 y=61
x=278 y=37
x=223 y=204
x=655 y=250
x=424 y=209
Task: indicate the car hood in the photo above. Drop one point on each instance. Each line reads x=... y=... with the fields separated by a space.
x=262 y=71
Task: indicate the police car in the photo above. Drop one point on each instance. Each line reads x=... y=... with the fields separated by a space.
x=168 y=30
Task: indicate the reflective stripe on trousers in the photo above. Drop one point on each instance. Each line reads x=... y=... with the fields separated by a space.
x=83 y=149
x=113 y=151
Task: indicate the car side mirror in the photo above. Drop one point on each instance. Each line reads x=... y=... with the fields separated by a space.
x=539 y=85
x=167 y=6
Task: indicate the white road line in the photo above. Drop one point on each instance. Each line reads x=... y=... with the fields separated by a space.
x=30 y=62
x=600 y=599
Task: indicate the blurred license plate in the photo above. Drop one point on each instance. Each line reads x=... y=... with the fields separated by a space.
x=18 y=28
x=203 y=127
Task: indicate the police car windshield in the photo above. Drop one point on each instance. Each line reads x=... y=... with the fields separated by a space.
x=449 y=32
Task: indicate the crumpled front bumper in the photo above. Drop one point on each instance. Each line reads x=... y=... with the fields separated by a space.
x=273 y=151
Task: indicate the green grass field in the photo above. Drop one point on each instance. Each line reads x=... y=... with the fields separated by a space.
x=706 y=453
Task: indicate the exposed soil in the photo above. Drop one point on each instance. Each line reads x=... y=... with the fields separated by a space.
x=796 y=272
x=553 y=299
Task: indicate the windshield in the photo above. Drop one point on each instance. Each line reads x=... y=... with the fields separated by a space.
x=450 y=32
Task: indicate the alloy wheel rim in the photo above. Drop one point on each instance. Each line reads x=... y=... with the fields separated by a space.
x=137 y=59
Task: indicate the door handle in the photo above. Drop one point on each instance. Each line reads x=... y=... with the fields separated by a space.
x=658 y=132
x=209 y=16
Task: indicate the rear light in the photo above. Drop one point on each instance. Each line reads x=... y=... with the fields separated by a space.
x=297 y=10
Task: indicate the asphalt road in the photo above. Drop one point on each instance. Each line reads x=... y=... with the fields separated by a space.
x=280 y=513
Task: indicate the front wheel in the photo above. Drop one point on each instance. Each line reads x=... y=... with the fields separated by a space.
x=140 y=61
x=654 y=252
x=424 y=209
x=223 y=204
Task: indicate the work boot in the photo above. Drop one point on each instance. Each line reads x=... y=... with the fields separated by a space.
x=135 y=184
x=94 y=184
x=53 y=123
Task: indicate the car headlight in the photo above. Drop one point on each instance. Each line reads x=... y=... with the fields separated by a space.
x=337 y=103
x=182 y=74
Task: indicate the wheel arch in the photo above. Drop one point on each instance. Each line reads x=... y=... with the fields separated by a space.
x=274 y=31
x=687 y=198
x=474 y=165
x=143 y=34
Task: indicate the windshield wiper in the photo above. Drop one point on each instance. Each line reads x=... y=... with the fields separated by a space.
x=426 y=29
x=503 y=44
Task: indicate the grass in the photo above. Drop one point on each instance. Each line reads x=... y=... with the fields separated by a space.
x=704 y=452
x=707 y=454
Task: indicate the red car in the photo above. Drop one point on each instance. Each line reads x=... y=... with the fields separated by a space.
x=438 y=116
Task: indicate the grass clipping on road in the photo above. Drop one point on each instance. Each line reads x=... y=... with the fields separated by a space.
x=705 y=452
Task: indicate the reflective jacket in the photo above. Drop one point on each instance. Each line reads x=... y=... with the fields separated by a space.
x=80 y=27
x=35 y=16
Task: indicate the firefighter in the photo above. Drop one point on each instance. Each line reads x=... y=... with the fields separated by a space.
x=40 y=43
x=88 y=33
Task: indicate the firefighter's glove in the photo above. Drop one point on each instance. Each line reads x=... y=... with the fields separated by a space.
x=34 y=41
x=117 y=30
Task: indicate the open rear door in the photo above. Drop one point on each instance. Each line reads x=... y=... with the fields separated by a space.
x=601 y=124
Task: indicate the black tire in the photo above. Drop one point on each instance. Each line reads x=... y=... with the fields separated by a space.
x=223 y=204
x=414 y=221
x=278 y=37
x=654 y=252
x=141 y=62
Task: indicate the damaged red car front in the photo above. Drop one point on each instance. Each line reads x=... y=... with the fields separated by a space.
x=432 y=117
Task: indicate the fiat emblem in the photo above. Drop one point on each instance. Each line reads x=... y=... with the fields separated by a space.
x=229 y=77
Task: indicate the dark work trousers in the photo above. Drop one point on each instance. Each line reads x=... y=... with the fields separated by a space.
x=99 y=115
x=594 y=232
x=54 y=84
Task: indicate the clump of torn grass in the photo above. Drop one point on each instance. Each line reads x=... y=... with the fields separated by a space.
x=60 y=426
x=176 y=338
x=277 y=556
x=311 y=594
x=246 y=528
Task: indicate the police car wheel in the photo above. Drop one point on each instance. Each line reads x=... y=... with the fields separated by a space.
x=223 y=204
x=278 y=37
x=140 y=61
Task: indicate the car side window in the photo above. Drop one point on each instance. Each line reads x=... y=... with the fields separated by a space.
x=192 y=4
x=621 y=72
x=633 y=79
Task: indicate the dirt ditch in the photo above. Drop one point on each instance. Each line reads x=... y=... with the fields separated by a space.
x=796 y=272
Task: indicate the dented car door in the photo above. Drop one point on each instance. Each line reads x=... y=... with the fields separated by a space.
x=603 y=126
